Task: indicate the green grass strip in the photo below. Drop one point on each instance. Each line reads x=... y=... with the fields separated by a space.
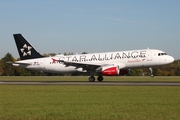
x=89 y=102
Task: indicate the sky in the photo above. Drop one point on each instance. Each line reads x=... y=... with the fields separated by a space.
x=58 y=26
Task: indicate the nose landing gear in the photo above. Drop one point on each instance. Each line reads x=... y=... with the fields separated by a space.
x=151 y=72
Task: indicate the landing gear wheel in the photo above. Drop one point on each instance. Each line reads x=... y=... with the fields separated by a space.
x=100 y=78
x=152 y=76
x=91 y=79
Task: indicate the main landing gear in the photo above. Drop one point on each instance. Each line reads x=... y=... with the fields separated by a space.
x=151 y=74
x=92 y=78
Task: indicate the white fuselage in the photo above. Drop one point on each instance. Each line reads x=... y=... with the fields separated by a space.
x=123 y=59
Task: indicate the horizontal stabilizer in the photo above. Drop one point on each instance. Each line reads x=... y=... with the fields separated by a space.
x=22 y=62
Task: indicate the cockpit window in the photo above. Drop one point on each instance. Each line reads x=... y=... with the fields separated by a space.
x=161 y=54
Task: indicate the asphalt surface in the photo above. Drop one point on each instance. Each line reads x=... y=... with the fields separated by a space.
x=104 y=83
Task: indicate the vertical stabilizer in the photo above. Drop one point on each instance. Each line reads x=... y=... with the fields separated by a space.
x=26 y=51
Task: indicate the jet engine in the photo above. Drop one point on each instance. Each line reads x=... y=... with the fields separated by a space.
x=113 y=70
x=124 y=72
x=110 y=70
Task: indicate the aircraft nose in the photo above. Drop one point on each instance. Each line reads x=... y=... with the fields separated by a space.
x=170 y=59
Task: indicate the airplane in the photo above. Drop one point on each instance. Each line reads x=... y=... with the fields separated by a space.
x=103 y=64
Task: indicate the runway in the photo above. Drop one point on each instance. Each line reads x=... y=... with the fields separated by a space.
x=107 y=83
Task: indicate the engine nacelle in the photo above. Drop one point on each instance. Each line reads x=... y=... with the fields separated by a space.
x=110 y=70
x=124 y=72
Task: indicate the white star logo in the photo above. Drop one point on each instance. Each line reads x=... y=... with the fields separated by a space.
x=26 y=50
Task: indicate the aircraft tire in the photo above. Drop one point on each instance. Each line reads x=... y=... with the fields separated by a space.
x=152 y=76
x=100 y=78
x=91 y=79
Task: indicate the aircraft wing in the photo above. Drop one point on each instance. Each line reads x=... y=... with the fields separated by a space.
x=85 y=66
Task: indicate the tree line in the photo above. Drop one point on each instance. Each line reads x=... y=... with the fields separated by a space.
x=6 y=69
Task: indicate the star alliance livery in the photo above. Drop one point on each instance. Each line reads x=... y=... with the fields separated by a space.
x=103 y=64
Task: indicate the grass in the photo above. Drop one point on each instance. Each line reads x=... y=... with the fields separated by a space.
x=85 y=78
x=89 y=102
